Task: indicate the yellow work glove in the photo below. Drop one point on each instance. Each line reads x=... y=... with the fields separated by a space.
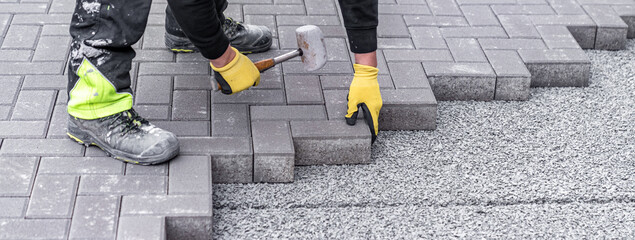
x=237 y=75
x=364 y=93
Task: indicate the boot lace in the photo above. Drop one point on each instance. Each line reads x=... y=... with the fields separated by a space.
x=129 y=121
x=232 y=27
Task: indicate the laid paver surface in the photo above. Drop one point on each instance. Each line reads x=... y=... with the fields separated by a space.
x=557 y=154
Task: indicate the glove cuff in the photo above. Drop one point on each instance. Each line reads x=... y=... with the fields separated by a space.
x=230 y=64
x=365 y=72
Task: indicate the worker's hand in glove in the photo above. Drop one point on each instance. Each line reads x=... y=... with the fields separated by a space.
x=238 y=75
x=364 y=93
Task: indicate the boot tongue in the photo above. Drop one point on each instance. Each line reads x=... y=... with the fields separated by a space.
x=232 y=27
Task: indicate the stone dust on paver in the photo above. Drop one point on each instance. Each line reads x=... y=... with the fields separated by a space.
x=429 y=51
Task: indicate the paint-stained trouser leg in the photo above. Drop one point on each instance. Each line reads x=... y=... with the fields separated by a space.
x=103 y=32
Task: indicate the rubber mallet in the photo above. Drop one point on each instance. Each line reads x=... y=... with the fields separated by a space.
x=311 y=48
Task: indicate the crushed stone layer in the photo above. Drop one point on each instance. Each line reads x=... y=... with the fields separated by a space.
x=565 y=156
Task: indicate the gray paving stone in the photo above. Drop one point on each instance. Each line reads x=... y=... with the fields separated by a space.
x=4 y=112
x=33 y=105
x=10 y=89
x=4 y=23
x=581 y=27
x=133 y=169
x=518 y=26
x=337 y=105
x=190 y=105
x=627 y=13
x=439 y=21
x=329 y=68
x=22 y=129
x=343 y=82
x=612 y=31
x=566 y=7
x=141 y=227
x=512 y=77
x=230 y=120
x=45 y=82
x=41 y=147
x=190 y=175
x=296 y=20
x=271 y=79
x=15 y=55
x=154 y=56
x=480 y=15
x=95 y=217
x=202 y=82
x=185 y=128
x=80 y=166
x=408 y=109
x=166 y=205
x=392 y=26
x=419 y=55
x=461 y=81
x=232 y=157
x=444 y=8
x=474 y=32
x=485 y=2
x=404 y=9
x=408 y=75
x=303 y=89
x=318 y=7
x=18 y=175
x=511 y=44
x=53 y=197
x=395 y=43
x=21 y=36
x=34 y=228
x=59 y=122
x=32 y=68
x=330 y=142
x=23 y=8
x=153 y=90
x=118 y=184
x=251 y=97
x=274 y=9
x=153 y=112
x=288 y=113
x=523 y=9
x=273 y=151
x=557 y=67
x=427 y=38
x=52 y=48
x=557 y=37
x=13 y=207
x=55 y=30
x=39 y=19
x=466 y=50
x=181 y=68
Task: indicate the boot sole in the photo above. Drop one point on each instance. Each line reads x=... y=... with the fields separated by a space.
x=88 y=140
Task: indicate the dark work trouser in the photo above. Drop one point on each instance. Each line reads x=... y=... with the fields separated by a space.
x=360 y=20
x=103 y=32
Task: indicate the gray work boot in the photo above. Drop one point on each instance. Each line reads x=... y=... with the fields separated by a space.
x=244 y=37
x=126 y=136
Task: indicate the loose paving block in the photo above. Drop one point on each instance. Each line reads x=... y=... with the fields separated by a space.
x=408 y=109
x=34 y=228
x=612 y=31
x=627 y=13
x=343 y=82
x=53 y=197
x=330 y=142
x=190 y=175
x=22 y=129
x=466 y=50
x=232 y=157
x=166 y=205
x=304 y=89
x=190 y=105
x=80 y=166
x=153 y=90
x=288 y=113
x=461 y=81
x=17 y=176
x=41 y=147
x=141 y=227
x=12 y=207
x=512 y=77
x=273 y=151
x=518 y=26
x=557 y=67
x=251 y=97
x=95 y=217
x=230 y=120
x=337 y=105
x=118 y=184
x=33 y=105
x=557 y=37
x=408 y=75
